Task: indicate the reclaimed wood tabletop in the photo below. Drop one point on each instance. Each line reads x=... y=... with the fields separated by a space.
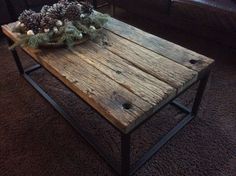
x=126 y=80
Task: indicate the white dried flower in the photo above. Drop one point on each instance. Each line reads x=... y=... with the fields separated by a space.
x=59 y=23
x=82 y=15
x=55 y=29
x=46 y=30
x=30 y=32
x=22 y=25
x=92 y=28
x=80 y=35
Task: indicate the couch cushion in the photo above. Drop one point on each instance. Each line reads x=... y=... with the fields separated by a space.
x=216 y=14
x=144 y=6
x=227 y=5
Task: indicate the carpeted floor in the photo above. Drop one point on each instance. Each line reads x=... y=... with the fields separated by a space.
x=35 y=140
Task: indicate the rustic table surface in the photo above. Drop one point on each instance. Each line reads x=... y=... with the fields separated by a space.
x=126 y=80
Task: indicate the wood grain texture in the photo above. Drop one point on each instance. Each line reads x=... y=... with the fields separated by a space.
x=136 y=81
x=163 y=47
x=102 y=93
x=125 y=81
x=174 y=74
x=105 y=86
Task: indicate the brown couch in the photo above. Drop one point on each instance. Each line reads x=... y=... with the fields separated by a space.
x=215 y=14
x=149 y=7
x=215 y=19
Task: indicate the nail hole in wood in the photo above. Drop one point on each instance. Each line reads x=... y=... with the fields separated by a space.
x=192 y=61
x=118 y=72
x=127 y=106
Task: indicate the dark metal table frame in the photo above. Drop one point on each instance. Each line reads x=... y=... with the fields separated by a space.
x=126 y=168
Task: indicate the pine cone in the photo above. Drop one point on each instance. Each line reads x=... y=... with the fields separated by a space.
x=86 y=8
x=44 y=9
x=64 y=2
x=73 y=12
x=57 y=11
x=24 y=16
x=47 y=22
x=32 y=22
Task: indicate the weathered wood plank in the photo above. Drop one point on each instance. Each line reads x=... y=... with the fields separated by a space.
x=117 y=104
x=174 y=74
x=135 y=80
x=7 y=30
x=163 y=47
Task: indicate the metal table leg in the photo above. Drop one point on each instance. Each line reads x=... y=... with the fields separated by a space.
x=125 y=154
x=16 y=58
x=199 y=94
x=113 y=8
x=95 y=4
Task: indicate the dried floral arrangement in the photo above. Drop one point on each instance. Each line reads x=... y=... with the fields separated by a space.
x=63 y=23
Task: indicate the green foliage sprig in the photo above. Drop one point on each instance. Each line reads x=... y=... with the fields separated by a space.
x=70 y=34
x=36 y=40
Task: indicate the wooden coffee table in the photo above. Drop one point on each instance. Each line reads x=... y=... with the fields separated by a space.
x=127 y=81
